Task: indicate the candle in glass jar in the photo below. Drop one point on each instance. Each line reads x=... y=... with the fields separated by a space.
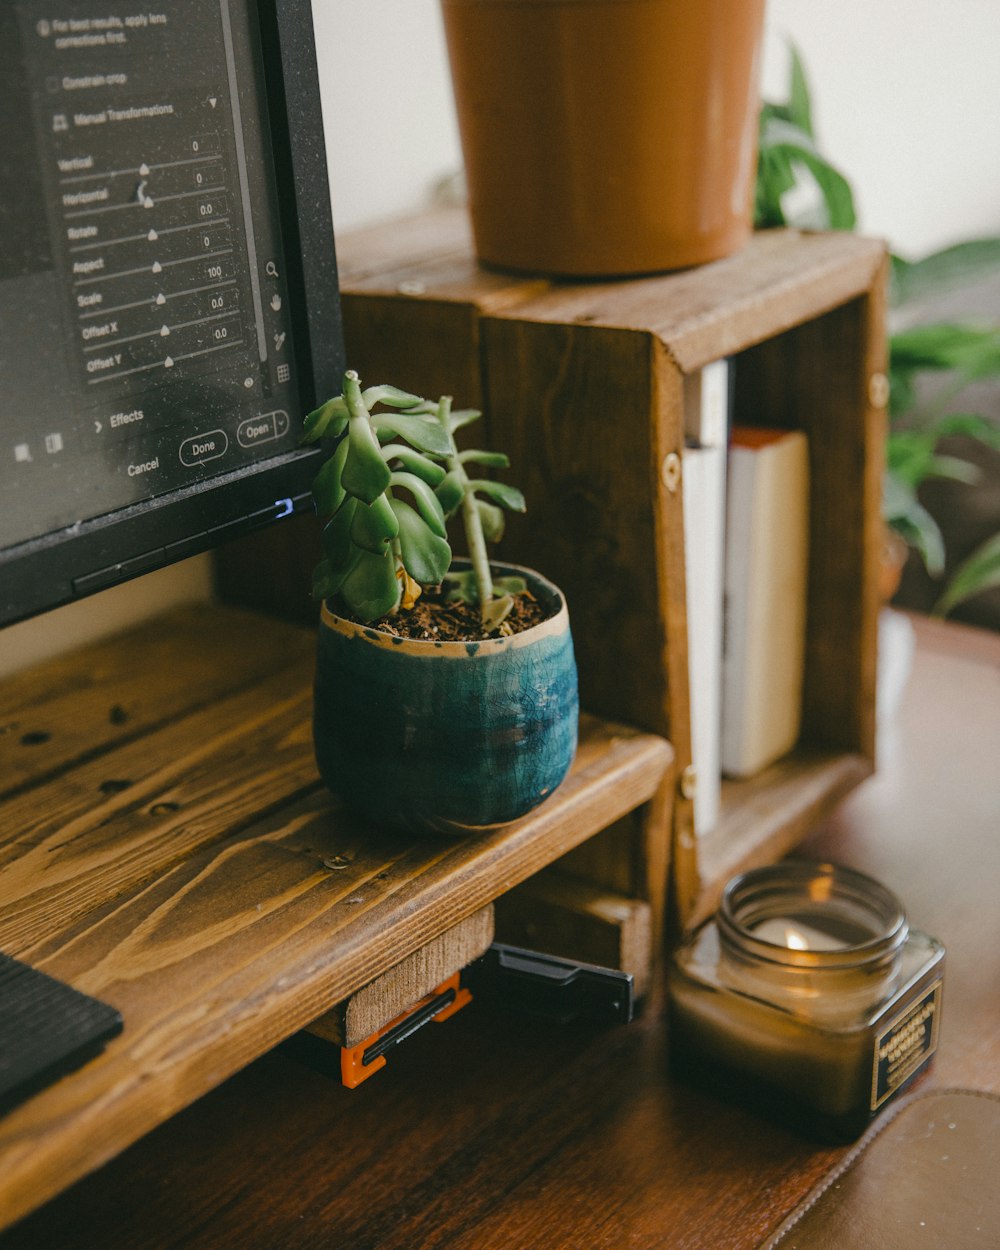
x=810 y=989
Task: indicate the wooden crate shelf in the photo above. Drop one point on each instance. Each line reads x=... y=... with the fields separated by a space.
x=166 y=846
x=582 y=385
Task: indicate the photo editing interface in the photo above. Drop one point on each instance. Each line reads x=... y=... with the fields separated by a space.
x=145 y=337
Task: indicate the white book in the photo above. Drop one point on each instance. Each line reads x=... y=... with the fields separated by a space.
x=706 y=405
x=704 y=470
x=766 y=565
x=706 y=431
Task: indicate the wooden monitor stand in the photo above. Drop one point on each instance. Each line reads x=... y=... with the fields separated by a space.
x=166 y=846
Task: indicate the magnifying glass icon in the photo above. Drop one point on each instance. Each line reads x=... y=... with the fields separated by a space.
x=271 y=269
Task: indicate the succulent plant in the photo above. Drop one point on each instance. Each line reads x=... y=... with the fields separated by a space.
x=393 y=480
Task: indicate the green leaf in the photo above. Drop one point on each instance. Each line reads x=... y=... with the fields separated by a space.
x=943 y=271
x=979 y=572
x=337 y=534
x=496 y=611
x=433 y=474
x=327 y=580
x=420 y=433
x=461 y=587
x=366 y=475
x=391 y=395
x=327 y=421
x=426 y=556
x=323 y=581
x=902 y=390
x=426 y=500
x=969 y=425
x=778 y=136
x=462 y=417
x=774 y=178
x=799 y=102
x=510 y=585
x=491 y=459
x=974 y=351
x=450 y=493
x=909 y=518
x=327 y=488
x=493 y=520
x=371 y=589
x=374 y=525
x=912 y=459
x=954 y=469
x=507 y=496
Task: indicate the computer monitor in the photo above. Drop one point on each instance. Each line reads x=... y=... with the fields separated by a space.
x=168 y=286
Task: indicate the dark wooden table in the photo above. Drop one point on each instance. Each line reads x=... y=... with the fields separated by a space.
x=491 y=1132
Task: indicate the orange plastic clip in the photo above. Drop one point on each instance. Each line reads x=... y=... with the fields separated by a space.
x=358 y=1063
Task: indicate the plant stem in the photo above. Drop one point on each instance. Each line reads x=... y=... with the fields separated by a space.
x=472 y=522
x=473 y=525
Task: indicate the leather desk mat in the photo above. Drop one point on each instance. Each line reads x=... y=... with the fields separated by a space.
x=927 y=1177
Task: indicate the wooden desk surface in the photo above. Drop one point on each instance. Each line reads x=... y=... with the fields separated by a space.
x=490 y=1132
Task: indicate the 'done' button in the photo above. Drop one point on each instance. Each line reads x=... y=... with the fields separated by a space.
x=201 y=448
x=262 y=429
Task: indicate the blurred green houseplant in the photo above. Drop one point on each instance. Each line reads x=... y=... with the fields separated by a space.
x=929 y=365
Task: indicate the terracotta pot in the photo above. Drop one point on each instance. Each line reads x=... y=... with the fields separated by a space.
x=607 y=137
x=446 y=736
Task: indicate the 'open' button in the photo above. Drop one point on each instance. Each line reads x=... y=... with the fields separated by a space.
x=262 y=429
x=204 y=447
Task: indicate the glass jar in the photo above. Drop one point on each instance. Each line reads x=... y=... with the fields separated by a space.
x=808 y=993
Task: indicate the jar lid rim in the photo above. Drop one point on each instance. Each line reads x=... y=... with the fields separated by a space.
x=745 y=889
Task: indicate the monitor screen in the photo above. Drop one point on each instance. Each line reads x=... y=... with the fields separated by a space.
x=168 y=292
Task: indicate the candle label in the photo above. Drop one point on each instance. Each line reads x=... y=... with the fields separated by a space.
x=905 y=1045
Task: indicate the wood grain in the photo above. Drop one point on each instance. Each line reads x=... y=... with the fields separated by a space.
x=566 y=916
x=88 y=702
x=220 y=900
x=414 y=238
x=497 y=1133
x=575 y=411
x=379 y=1002
x=781 y=279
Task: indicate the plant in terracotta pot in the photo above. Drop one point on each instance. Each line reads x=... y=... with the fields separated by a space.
x=446 y=694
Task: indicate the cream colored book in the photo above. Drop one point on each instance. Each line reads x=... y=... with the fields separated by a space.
x=767 y=540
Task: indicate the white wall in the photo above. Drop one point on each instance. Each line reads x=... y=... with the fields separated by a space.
x=905 y=102
x=387 y=107
x=110 y=612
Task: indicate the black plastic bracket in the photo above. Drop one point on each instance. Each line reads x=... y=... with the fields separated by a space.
x=560 y=990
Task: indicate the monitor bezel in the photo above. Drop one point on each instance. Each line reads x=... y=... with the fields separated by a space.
x=78 y=560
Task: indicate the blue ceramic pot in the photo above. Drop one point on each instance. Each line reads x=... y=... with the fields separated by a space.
x=446 y=735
